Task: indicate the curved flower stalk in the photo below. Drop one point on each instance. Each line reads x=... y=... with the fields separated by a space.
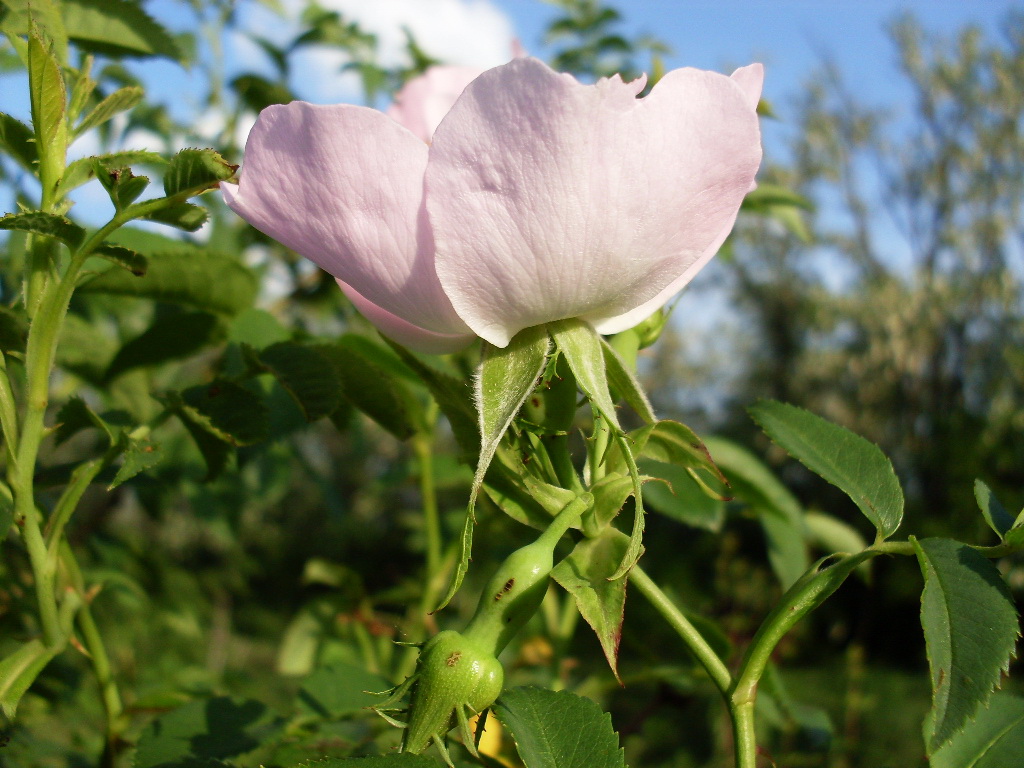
x=458 y=675
x=538 y=198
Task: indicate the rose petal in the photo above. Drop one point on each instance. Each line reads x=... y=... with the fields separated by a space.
x=423 y=101
x=551 y=199
x=343 y=186
x=405 y=333
x=751 y=79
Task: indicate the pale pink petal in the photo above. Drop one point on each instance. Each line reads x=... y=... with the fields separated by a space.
x=551 y=199
x=751 y=79
x=406 y=333
x=423 y=101
x=343 y=186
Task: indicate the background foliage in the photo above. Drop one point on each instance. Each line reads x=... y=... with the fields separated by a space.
x=258 y=554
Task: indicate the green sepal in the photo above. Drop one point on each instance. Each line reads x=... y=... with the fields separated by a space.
x=505 y=379
x=122 y=185
x=584 y=352
x=586 y=574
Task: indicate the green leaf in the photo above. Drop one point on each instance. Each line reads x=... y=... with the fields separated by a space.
x=680 y=497
x=403 y=760
x=994 y=739
x=258 y=93
x=228 y=411
x=184 y=216
x=202 y=730
x=625 y=383
x=119 y=101
x=586 y=575
x=307 y=374
x=257 y=328
x=50 y=224
x=998 y=519
x=340 y=690
x=775 y=195
x=43 y=15
x=126 y=258
x=505 y=379
x=171 y=336
x=778 y=511
x=85 y=169
x=18 y=141
x=48 y=96
x=374 y=390
x=74 y=416
x=196 y=169
x=831 y=534
x=854 y=465
x=19 y=670
x=207 y=281
x=970 y=630
x=559 y=729
x=453 y=397
x=117 y=28
x=139 y=456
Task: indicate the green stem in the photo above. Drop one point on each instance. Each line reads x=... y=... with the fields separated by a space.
x=743 y=734
x=598 y=448
x=906 y=548
x=693 y=639
x=83 y=475
x=44 y=572
x=423 y=447
x=92 y=640
x=561 y=460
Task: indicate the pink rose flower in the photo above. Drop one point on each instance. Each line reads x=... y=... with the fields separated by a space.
x=538 y=198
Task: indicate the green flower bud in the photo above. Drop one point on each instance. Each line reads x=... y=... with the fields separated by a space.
x=650 y=329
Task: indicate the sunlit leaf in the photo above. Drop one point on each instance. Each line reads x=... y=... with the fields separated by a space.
x=206 y=281
x=119 y=101
x=50 y=224
x=559 y=729
x=196 y=169
x=848 y=461
x=970 y=630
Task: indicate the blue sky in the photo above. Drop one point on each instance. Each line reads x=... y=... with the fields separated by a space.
x=790 y=37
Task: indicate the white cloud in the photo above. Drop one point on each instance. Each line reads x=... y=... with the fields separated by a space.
x=473 y=33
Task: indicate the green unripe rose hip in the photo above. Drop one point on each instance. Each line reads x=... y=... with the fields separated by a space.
x=453 y=674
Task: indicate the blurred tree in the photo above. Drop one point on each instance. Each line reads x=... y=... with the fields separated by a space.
x=902 y=319
x=588 y=45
